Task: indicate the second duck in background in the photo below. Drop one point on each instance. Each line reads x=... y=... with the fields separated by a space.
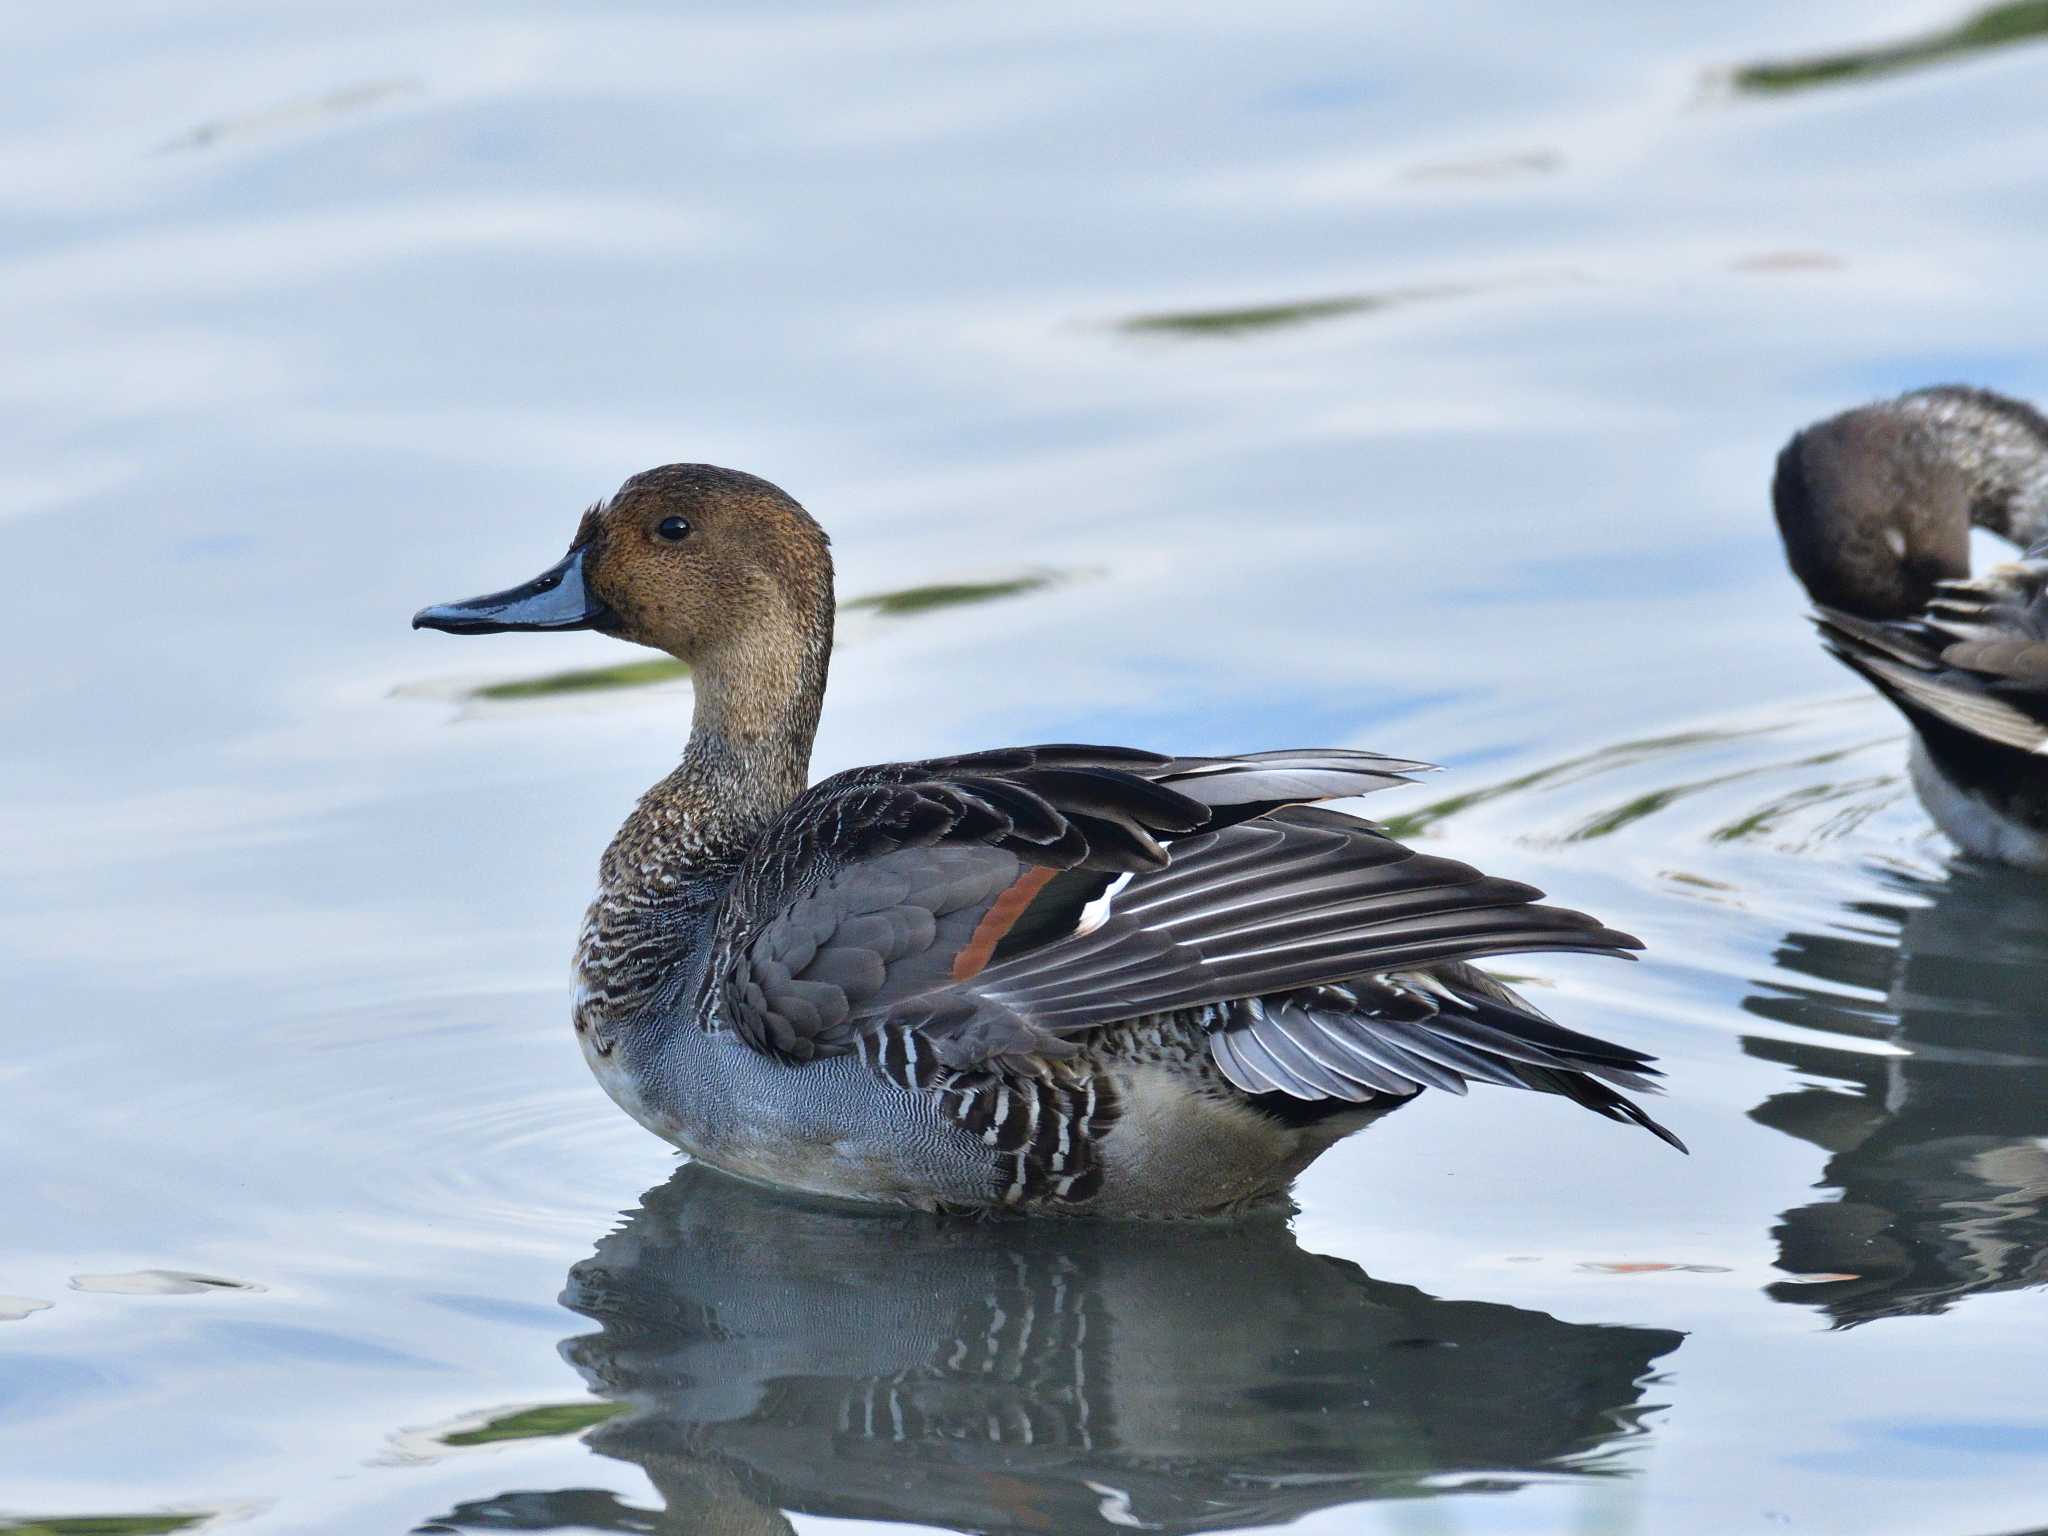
x=1875 y=507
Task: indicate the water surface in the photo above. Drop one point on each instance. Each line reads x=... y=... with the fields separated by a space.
x=1206 y=378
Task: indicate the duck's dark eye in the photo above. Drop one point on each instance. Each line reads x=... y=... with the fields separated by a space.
x=673 y=529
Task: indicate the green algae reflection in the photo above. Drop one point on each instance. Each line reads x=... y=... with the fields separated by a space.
x=627 y=674
x=293 y=114
x=101 y=1525
x=1997 y=26
x=545 y=1422
x=1832 y=809
x=949 y=594
x=904 y=602
x=1624 y=755
x=1270 y=317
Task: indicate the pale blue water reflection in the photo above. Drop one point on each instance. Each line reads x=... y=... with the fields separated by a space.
x=1406 y=379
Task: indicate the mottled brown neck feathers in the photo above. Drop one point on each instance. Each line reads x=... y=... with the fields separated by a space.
x=760 y=685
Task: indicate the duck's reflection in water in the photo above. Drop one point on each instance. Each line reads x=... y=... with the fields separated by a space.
x=1047 y=1376
x=1938 y=1150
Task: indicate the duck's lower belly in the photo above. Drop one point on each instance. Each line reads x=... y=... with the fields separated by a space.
x=1973 y=821
x=1175 y=1151
x=828 y=1127
x=1160 y=1142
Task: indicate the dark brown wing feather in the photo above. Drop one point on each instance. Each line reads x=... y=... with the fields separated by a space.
x=1976 y=662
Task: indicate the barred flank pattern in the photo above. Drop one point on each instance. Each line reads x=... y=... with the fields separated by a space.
x=622 y=953
x=1044 y=1120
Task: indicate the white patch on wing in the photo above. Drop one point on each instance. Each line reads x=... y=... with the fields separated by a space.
x=1096 y=913
x=1115 y=1507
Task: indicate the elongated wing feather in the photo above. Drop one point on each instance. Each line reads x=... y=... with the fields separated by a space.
x=1296 y=899
x=1394 y=1035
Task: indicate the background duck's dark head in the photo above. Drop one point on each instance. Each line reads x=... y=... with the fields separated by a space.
x=1871 y=512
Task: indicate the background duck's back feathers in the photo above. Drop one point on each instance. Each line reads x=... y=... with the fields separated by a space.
x=1975 y=662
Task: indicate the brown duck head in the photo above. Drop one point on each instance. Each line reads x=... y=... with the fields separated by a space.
x=704 y=563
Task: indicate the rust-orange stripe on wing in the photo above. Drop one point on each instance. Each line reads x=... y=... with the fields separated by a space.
x=1000 y=919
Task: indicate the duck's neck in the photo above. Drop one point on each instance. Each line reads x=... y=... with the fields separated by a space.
x=748 y=756
x=749 y=752
x=2000 y=447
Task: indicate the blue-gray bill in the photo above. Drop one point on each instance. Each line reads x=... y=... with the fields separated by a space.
x=556 y=599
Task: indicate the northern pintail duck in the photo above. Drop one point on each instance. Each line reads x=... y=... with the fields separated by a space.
x=1876 y=506
x=1056 y=978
